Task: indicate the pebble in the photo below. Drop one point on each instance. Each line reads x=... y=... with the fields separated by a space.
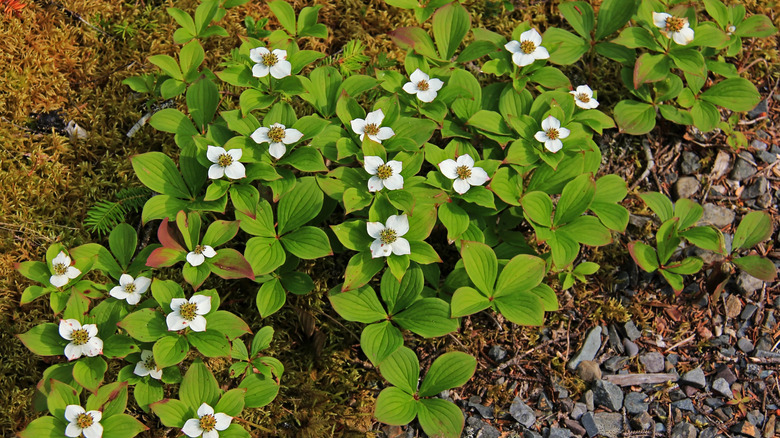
x=608 y=394
x=755 y=417
x=589 y=371
x=743 y=167
x=745 y=428
x=684 y=405
x=722 y=387
x=484 y=411
x=609 y=424
x=653 y=362
x=759 y=110
x=614 y=339
x=717 y=215
x=758 y=145
x=478 y=428
x=634 y=403
x=522 y=413
x=766 y=157
x=630 y=348
x=559 y=432
x=748 y=311
x=589 y=423
x=747 y=283
x=544 y=403
x=589 y=348
x=589 y=400
x=643 y=421
x=631 y=331
x=745 y=345
x=497 y=353
x=690 y=163
x=575 y=427
x=615 y=363
x=755 y=189
x=531 y=434
x=695 y=377
x=686 y=187
x=579 y=410
x=684 y=430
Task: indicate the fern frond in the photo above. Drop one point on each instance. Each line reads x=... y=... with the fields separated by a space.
x=105 y=215
x=352 y=58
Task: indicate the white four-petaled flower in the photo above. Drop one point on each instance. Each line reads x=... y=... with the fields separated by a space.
x=277 y=137
x=583 y=97
x=463 y=173
x=130 y=289
x=423 y=86
x=388 y=238
x=83 y=339
x=208 y=424
x=62 y=271
x=371 y=127
x=383 y=174
x=551 y=134
x=676 y=28
x=528 y=49
x=147 y=366
x=82 y=422
x=189 y=313
x=267 y=61
x=197 y=256
x=225 y=163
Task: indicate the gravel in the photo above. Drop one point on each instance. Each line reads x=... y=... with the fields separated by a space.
x=589 y=348
x=743 y=167
x=653 y=362
x=522 y=413
x=607 y=394
x=686 y=187
x=695 y=377
x=634 y=403
x=716 y=215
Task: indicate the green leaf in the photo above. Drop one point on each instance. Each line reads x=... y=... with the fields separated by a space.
x=440 y=418
x=454 y=218
x=396 y=407
x=260 y=390
x=44 y=340
x=538 y=207
x=674 y=280
x=264 y=254
x=736 y=94
x=705 y=115
x=199 y=386
x=361 y=305
x=757 y=266
x=50 y=427
x=660 y=204
x=587 y=230
x=299 y=205
x=575 y=199
x=757 y=26
x=361 y=269
x=635 y=118
x=210 y=343
x=580 y=17
x=705 y=237
x=172 y=412
x=122 y=242
x=122 y=426
x=467 y=301
x=158 y=172
x=89 y=372
x=754 y=228
x=667 y=240
x=688 y=60
x=428 y=317
x=522 y=273
x=191 y=55
x=227 y=323
x=644 y=256
x=450 y=370
x=688 y=266
x=613 y=14
x=399 y=294
x=416 y=39
x=168 y=65
x=307 y=243
x=565 y=48
x=145 y=325
x=229 y=264
x=270 y=298
x=689 y=212
x=651 y=68
x=451 y=22
x=401 y=369
x=170 y=350
x=636 y=38
x=306 y=159
x=285 y=14
x=521 y=308
x=60 y=396
x=380 y=340
x=202 y=101
x=231 y=402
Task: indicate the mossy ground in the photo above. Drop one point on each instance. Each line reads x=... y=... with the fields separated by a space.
x=55 y=62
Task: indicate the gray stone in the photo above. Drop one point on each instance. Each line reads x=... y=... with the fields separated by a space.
x=579 y=410
x=759 y=110
x=755 y=417
x=766 y=157
x=713 y=402
x=755 y=189
x=653 y=362
x=484 y=411
x=522 y=413
x=745 y=428
x=589 y=348
x=575 y=427
x=589 y=400
x=635 y=403
x=609 y=424
x=690 y=163
x=745 y=345
x=743 y=167
x=589 y=422
x=695 y=377
x=589 y=370
x=684 y=430
x=528 y=433
x=497 y=353
x=544 y=403
x=686 y=187
x=643 y=421
x=716 y=215
x=748 y=311
x=747 y=283
x=559 y=432
x=615 y=363
x=478 y=428
x=684 y=405
x=630 y=348
x=758 y=145
x=614 y=339
x=631 y=331
x=765 y=342
x=608 y=394
x=722 y=387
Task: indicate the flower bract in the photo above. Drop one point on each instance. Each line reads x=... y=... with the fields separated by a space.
x=551 y=134
x=277 y=136
x=383 y=174
x=423 y=86
x=225 y=163
x=583 y=97
x=147 y=366
x=197 y=256
x=388 y=238
x=267 y=61
x=62 y=271
x=208 y=424
x=82 y=422
x=83 y=339
x=676 y=28
x=371 y=127
x=130 y=289
x=190 y=313
x=463 y=172
x=528 y=49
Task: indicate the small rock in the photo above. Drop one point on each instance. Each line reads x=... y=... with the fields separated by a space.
x=615 y=363
x=478 y=428
x=630 y=348
x=755 y=417
x=748 y=311
x=642 y=421
x=589 y=348
x=522 y=413
x=766 y=157
x=528 y=433
x=686 y=187
x=558 y=432
x=575 y=427
x=759 y=110
x=609 y=424
x=589 y=400
x=684 y=405
x=579 y=410
x=765 y=342
x=747 y=283
x=733 y=306
x=631 y=331
x=589 y=371
x=757 y=188
x=720 y=166
x=743 y=167
x=484 y=411
x=589 y=422
x=745 y=428
x=745 y=345
x=769 y=427
x=713 y=402
x=653 y=362
x=690 y=163
x=614 y=339
x=497 y=353
x=758 y=145
x=684 y=430
x=635 y=403
x=608 y=394
x=716 y=215
x=695 y=377
x=722 y=387
x=544 y=403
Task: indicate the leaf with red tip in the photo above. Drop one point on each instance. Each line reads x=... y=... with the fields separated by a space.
x=229 y=263
x=167 y=235
x=164 y=257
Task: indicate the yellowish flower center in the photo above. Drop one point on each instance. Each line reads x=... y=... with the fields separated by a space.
x=388 y=236
x=552 y=134
x=371 y=129
x=270 y=59
x=198 y=249
x=384 y=171
x=675 y=24
x=422 y=85
x=187 y=311
x=463 y=172
x=84 y=420
x=584 y=98
x=276 y=134
x=150 y=364
x=130 y=288
x=60 y=268
x=80 y=336
x=225 y=160
x=527 y=47
x=208 y=422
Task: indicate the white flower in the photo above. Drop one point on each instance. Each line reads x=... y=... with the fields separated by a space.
x=207 y=424
x=388 y=238
x=225 y=163
x=197 y=256
x=731 y=29
x=277 y=137
x=370 y=127
x=676 y=28
x=423 y=86
x=147 y=366
x=274 y=62
x=528 y=49
x=83 y=422
x=63 y=271
x=384 y=174
x=464 y=173
x=130 y=289
x=583 y=97
x=189 y=313
x=551 y=134
x=83 y=339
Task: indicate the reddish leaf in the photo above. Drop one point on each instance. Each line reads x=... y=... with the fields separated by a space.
x=229 y=263
x=164 y=257
x=167 y=234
